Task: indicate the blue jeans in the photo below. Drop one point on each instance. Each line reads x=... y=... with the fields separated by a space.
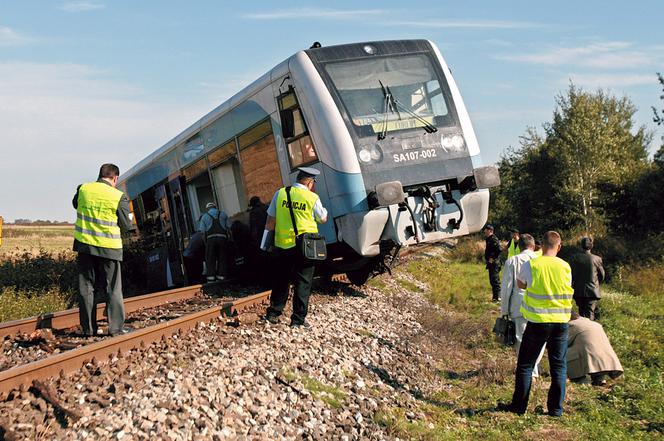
x=554 y=335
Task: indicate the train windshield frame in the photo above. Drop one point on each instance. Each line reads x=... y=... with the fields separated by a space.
x=418 y=94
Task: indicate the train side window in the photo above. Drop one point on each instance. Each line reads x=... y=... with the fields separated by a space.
x=301 y=150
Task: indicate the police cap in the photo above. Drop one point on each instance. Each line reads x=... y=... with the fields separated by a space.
x=307 y=172
x=488 y=227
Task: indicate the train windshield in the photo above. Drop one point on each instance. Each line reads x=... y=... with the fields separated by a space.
x=392 y=94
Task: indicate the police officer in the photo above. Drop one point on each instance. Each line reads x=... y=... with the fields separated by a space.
x=547 y=306
x=215 y=229
x=492 y=259
x=292 y=266
x=102 y=212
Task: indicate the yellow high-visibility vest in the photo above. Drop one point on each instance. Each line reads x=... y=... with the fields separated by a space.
x=512 y=249
x=303 y=205
x=96 y=215
x=549 y=299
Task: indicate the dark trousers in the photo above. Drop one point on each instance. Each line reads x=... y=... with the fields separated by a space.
x=534 y=338
x=587 y=307
x=291 y=266
x=494 y=279
x=94 y=271
x=216 y=257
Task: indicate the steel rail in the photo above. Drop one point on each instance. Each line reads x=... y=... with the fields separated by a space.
x=72 y=360
x=70 y=317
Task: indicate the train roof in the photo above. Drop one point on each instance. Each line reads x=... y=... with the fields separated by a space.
x=323 y=53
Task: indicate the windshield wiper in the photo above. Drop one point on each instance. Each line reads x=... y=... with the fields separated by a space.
x=388 y=106
x=428 y=127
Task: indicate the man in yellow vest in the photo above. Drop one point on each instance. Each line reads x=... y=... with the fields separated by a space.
x=102 y=212
x=547 y=306
x=292 y=266
x=512 y=246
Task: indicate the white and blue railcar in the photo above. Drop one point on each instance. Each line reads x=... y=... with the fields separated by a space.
x=385 y=124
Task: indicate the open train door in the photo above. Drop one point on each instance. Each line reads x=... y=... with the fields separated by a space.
x=180 y=230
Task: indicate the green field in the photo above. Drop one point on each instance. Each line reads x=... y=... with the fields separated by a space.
x=477 y=372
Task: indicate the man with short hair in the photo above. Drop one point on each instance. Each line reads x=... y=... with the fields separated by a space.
x=511 y=295
x=587 y=273
x=215 y=229
x=547 y=305
x=513 y=243
x=102 y=214
x=492 y=258
x=292 y=266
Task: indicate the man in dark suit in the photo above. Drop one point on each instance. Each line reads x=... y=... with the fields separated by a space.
x=587 y=273
x=492 y=259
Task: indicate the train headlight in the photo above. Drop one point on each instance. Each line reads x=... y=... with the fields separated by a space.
x=376 y=153
x=365 y=155
x=451 y=142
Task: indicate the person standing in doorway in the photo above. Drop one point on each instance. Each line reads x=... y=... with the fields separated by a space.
x=292 y=266
x=492 y=259
x=215 y=229
x=102 y=214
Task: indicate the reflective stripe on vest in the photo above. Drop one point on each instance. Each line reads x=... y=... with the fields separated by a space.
x=96 y=215
x=303 y=205
x=549 y=299
x=511 y=249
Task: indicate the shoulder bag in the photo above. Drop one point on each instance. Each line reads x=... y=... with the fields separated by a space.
x=311 y=245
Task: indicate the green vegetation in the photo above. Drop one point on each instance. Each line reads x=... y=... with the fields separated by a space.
x=477 y=373
x=330 y=395
x=20 y=304
x=37 y=270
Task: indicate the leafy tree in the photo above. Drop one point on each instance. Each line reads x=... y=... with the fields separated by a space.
x=561 y=181
x=591 y=135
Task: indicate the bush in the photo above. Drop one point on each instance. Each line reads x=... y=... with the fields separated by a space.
x=44 y=271
x=469 y=249
x=16 y=305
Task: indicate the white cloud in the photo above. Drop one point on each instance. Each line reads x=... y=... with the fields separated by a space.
x=605 y=81
x=59 y=122
x=9 y=37
x=611 y=55
x=314 y=13
x=81 y=6
x=465 y=24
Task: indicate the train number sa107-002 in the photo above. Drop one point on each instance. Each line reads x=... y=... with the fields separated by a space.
x=414 y=155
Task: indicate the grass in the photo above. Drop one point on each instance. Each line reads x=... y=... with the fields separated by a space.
x=20 y=304
x=37 y=270
x=333 y=396
x=19 y=238
x=476 y=372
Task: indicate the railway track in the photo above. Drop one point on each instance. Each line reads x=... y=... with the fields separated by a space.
x=70 y=318
x=25 y=374
x=72 y=359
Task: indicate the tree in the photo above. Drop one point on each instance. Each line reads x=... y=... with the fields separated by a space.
x=591 y=135
x=560 y=181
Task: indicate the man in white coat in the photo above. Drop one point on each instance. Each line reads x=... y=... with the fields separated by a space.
x=511 y=295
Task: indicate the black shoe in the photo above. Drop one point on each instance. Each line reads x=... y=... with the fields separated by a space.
x=507 y=407
x=304 y=325
x=273 y=319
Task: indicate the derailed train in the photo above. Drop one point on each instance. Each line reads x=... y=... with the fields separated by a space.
x=385 y=124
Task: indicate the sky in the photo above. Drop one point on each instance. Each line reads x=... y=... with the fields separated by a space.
x=83 y=82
